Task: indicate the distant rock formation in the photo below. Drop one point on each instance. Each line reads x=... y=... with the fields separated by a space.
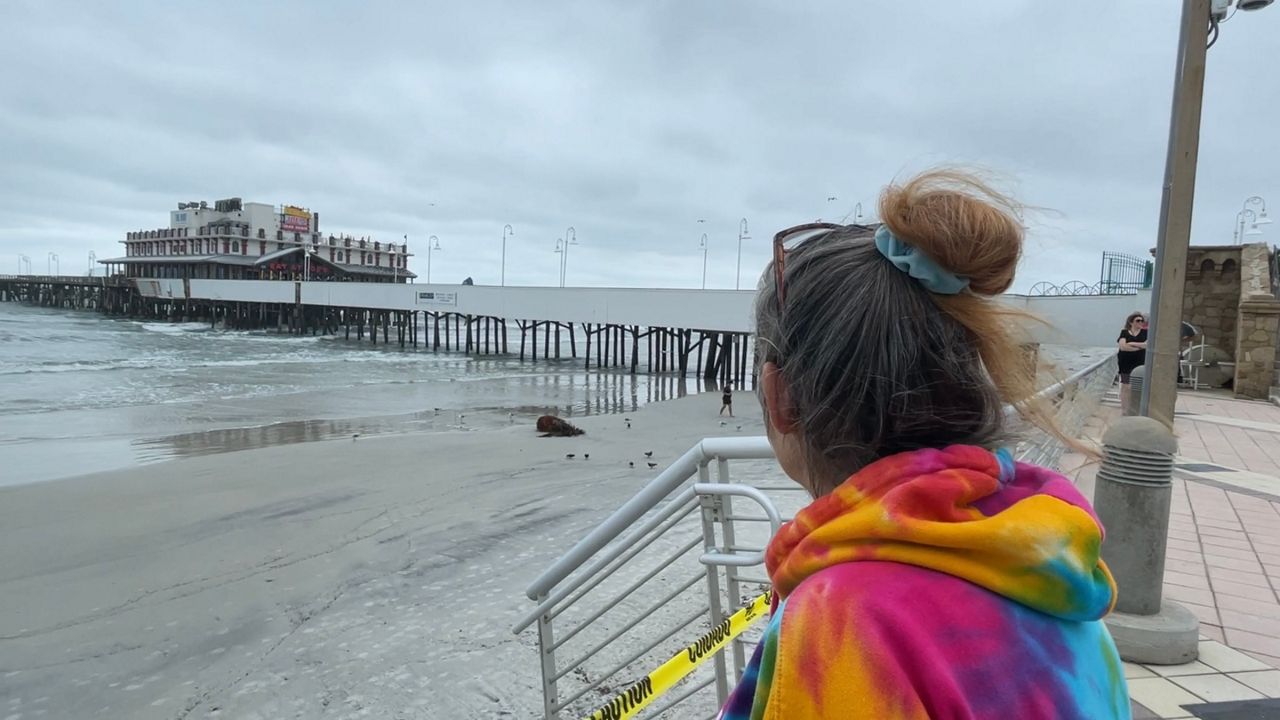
x=552 y=426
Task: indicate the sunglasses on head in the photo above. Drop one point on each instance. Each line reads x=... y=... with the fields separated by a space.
x=793 y=237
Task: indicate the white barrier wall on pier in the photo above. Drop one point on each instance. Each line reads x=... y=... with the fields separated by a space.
x=1086 y=321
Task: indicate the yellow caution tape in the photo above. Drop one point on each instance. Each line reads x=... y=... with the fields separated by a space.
x=641 y=694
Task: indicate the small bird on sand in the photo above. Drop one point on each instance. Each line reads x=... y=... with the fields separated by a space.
x=723 y=423
x=648 y=453
x=739 y=428
x=569 y=456
x=653 y=465
x=586 y=456
x=353 y=437
x=631 y=463
x=628 y=424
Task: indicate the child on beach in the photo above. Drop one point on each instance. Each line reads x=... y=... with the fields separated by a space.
x=726 y=400
x=932 y=576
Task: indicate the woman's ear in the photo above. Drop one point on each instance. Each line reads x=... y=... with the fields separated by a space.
x=777 y=399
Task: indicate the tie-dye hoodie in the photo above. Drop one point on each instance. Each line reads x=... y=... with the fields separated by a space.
x=944 y=584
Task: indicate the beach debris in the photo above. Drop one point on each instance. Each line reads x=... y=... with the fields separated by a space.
x=552 y=426
x=653 y=465
x=648 y=453
x=569 y=456
x=628 y=424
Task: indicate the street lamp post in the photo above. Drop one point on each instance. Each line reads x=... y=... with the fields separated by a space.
x=24 y=259
x=742 y=235
x=506 y=229
x=433 y=244
x=1159 y=392
x=53 y=260
x=1251 y=218
x=570 y=238
x=93 y=258
x=703 y=244
x=1259 y=218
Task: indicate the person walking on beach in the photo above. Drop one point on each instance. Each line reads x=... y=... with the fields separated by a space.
x=1132 y=354
x=726 y=401
x=932 y=575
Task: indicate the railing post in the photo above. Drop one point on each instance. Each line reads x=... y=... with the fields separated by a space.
x=711 y=514
x=547 y=654
x=730 y=571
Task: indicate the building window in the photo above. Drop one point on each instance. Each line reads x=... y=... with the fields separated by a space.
x=235 y=246
x=297 y=237
x=262 y=246
x=262 y=233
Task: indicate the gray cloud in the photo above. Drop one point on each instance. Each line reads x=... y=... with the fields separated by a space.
x=628 y=121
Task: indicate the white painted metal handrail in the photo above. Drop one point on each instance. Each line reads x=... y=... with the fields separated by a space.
x=604 y=568
x=657 y=490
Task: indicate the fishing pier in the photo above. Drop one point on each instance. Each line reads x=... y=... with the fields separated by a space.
x=705 y=333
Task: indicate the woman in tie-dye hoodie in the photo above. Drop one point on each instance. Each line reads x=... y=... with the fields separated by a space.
x=932 y=576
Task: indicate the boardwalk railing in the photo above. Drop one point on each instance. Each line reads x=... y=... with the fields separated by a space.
x=679 y=557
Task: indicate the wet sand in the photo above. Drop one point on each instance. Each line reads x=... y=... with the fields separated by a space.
x=376 y=577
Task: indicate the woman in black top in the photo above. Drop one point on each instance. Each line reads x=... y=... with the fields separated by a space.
x=1133 y=351
x=726 y=400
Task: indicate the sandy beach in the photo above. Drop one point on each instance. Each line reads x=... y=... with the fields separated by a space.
x=376 y=577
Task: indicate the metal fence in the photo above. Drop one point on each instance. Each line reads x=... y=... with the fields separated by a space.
x=681 y=555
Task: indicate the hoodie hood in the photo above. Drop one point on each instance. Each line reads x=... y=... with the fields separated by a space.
x=1018 y=530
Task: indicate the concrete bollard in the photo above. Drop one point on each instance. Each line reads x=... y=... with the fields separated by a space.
x=1133 y=490
x=1137 y=379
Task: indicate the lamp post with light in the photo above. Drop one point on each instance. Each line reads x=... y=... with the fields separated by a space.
x=1259 y=218
x=1159 y=392
x=742 y=235
x=703 y=244
x=506 y=230
x=433 y=244
x=53 y=261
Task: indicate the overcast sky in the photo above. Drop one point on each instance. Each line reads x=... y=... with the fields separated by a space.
x=628 y=121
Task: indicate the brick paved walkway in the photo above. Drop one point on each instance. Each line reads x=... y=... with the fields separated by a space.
x=1223 y=560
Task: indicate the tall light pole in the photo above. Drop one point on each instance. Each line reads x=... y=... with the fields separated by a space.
x=433 y=244
x=1159 y=392
x=24 y=259
x=53 y=259
x=1243 y=217
x=570 y=238
x=703 y=244
x=93 y=258
x=742 y=235
x=506 y=229
x=1259 y=218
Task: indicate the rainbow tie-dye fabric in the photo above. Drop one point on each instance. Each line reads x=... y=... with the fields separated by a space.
x=944 y=584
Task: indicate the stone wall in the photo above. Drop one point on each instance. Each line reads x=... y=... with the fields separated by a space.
x=1212 y=296
x=1259 y=320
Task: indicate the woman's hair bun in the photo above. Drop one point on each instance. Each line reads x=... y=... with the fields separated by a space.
x=961 y=223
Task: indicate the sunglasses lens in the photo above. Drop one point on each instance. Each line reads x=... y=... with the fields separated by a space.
x=793 y=240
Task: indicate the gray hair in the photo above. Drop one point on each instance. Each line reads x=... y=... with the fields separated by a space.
x=873 y=364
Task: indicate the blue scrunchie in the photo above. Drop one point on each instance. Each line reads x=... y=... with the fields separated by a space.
x=911 y=261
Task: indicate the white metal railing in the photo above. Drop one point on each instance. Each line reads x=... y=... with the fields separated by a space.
x=679 y=557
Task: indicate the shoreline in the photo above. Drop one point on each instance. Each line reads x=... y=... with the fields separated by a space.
x=380 y=574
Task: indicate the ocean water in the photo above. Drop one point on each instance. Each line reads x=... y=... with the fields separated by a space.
x=82 y=393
